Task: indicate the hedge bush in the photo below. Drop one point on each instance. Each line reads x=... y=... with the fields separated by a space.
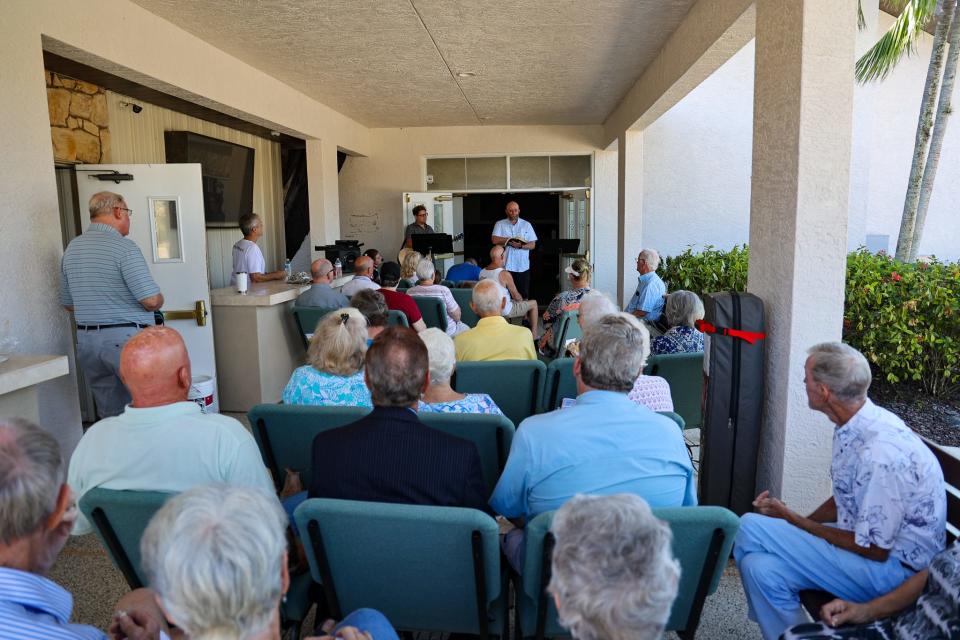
x=905 y=318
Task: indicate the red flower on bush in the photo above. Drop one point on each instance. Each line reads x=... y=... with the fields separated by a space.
x=895 y=276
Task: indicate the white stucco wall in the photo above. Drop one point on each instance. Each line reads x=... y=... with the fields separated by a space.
x=697 y=161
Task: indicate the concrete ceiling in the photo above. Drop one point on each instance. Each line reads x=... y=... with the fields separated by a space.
x=394 y=63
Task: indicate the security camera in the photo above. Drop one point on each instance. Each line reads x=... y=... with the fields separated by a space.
x=136 y=108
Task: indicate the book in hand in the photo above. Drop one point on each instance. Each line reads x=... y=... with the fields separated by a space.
x=514 y=242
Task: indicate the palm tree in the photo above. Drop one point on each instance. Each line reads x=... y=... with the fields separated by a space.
x=899 y=40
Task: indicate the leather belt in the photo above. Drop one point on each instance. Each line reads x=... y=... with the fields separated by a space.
x=97 y=327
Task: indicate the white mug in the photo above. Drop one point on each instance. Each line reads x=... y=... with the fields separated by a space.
x=243 y=281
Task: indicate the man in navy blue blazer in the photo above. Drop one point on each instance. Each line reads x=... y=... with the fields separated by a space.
x=389 y=455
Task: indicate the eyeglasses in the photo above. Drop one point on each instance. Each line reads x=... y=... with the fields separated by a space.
x=129 y=211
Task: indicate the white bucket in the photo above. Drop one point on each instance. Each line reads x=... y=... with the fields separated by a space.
x=202 y=391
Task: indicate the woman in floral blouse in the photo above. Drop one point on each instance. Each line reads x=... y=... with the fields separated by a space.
x=440 y=396
x=683 y=309
x=333 y=375
x=579 y=275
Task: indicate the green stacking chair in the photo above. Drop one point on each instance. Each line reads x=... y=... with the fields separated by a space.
x=559 y=383
x=676 y=417
x=121 y=517
x=463 y=298
x=307 y=319
x=425 y=568
x=433 y=311
x=566 y=328
x=285 y=432
x=515 y=385
x=397 y=319
x=684 y=373
x=493 y=435
x=702 y=540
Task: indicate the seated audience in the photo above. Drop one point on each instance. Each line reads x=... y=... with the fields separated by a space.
x=162 y=441
x=397 y=300
x=603 y=444
x=321 y=294
x=683 y=309
x=216 y=556
x=579 y=275
x=37 y=512
x=439 y=396
x=514 y=306
x=925 y=606
x=390 y=455
x=493 y=338
x=652 y=392
x=408 y=268
x=466 y=271
x=427 y=287
x=885 y=521
x=593 y=306
x=647 y=301
x=377 y=258
x=613 y=573
x=333 y=375
x=374 y=308
x=362 y=277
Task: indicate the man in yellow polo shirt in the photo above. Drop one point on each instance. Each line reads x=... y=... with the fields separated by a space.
x=493 y=338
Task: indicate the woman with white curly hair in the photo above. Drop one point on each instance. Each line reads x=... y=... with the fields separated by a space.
x=614 y=574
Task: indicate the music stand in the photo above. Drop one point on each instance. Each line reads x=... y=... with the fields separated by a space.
x=564 y=246
x=435 y=243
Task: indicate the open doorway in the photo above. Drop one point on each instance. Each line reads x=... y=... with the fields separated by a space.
x=482 y=210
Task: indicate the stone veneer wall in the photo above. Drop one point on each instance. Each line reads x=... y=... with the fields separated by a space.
x=78 y=120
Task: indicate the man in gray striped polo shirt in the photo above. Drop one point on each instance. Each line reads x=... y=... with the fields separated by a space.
x=105 y=282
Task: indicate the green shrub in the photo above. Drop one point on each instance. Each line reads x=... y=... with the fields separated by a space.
x=905 y=318
x=707 y=271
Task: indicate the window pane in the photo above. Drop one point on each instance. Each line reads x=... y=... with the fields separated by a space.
x=569 y=171
x=487 y=173
x=529 y=172
x=449 y=174
x=438 y=217
x=166 y=224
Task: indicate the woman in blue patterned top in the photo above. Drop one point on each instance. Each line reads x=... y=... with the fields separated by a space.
x=333 y=375
x=439 y=396
x=683 y=309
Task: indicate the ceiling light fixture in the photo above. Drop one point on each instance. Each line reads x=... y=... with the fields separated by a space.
x=466 y=74
x=275 y=134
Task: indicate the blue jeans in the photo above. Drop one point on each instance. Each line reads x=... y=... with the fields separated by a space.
x=778 y=560
x=371 y=621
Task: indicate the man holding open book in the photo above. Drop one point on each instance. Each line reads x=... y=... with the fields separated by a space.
x=518 y=238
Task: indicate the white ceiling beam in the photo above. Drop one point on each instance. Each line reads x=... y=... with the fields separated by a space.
x=709 y=35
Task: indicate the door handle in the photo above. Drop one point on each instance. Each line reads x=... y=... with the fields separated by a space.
x=198 y=313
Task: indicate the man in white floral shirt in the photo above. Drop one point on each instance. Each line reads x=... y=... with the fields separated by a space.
x=884 y=522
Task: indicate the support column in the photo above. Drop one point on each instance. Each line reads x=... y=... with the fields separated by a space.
x=629 y=211
x=324 y=194
x=803 y=105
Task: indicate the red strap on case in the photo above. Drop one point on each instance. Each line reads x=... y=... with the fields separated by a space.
x=749 y=336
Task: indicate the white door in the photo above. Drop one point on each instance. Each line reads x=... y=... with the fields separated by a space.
x=574 y=223
x=167 y=224
x=439 y=216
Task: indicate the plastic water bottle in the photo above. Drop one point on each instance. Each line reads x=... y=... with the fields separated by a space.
x=287 y=268
x=338 y=268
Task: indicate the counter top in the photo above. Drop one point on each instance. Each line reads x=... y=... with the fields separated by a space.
x=260 y=294
x=19 y=372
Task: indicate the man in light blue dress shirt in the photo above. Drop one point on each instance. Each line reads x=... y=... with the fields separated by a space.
x=518 y=238
x=39 y=510
x=605 y=444
x=647 y=302
x=885 y=520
